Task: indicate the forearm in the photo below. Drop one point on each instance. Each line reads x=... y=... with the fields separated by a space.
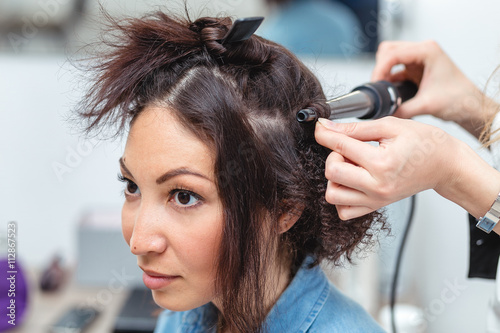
x=473 y=183
x=476 y=109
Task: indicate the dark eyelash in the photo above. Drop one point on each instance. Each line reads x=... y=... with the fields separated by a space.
x=172 y=192
x=124 y=180
x=181 y=189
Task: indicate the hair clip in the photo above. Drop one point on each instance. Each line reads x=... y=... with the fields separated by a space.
x=242 y=29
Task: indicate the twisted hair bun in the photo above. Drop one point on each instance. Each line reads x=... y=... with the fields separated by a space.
x=212 y=31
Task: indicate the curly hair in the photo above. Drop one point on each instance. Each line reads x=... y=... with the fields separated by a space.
x=241 y=99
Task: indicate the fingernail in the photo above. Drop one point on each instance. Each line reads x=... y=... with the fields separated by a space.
x=328 y=124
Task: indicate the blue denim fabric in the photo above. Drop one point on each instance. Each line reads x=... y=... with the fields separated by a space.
x=309 y=304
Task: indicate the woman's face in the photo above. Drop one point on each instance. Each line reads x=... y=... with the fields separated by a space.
x=172 y=215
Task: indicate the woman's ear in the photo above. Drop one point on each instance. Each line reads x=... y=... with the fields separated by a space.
x=288 y=218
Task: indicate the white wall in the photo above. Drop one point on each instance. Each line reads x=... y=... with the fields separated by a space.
x=49 y=177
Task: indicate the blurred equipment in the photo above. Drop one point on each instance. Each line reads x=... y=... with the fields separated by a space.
x=323 y=28
x=139 y=313
x=38 y=25
x=104 y=258
x=75 y=320
x=408 y=318
x=53 y=276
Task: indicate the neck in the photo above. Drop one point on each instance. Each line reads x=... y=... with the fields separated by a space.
x=278 y=278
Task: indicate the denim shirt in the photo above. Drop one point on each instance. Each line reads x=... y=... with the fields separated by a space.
x=309 y=304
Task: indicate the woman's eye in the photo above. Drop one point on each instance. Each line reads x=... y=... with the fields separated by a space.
x=185 y=198
x=131 y=188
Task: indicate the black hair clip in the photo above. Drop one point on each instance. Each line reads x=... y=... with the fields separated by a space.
x=242 y=29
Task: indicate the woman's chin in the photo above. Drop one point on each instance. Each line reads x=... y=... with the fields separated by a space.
x=174 y=303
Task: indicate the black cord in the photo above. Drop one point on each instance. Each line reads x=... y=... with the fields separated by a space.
x=398 y=263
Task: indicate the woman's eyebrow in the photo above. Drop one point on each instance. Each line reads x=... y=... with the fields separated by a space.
x=177 y=172
x=122 y=164
x=167 y=175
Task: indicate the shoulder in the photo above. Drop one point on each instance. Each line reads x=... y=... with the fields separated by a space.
x=312 y=304
x=341 y=314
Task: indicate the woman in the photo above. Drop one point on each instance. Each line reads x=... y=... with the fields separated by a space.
x=224 y=190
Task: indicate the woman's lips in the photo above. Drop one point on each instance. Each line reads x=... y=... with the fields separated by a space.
x=154 y=280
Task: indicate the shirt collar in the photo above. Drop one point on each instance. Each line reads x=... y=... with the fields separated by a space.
x=200 y=320
x=301 y=302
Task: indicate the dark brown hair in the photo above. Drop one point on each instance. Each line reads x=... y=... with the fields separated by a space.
x=241 y=99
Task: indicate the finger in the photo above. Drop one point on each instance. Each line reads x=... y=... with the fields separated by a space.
x=337 y=194
x=357 y=151
x=335 y=157
x=391 y=54
x=350 y=212
x=348 y=175
x=399 y=76
x=364 y=131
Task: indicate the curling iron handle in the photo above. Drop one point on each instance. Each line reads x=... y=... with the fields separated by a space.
x=369 y=101
x=386 y=96
x=406 y=89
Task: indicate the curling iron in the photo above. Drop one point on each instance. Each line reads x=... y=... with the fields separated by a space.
x=369 y=101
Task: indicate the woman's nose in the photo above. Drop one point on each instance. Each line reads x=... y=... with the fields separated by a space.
x=148 y=236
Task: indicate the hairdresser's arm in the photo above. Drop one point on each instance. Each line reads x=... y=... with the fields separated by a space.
x=444 y=91
x=411 y=157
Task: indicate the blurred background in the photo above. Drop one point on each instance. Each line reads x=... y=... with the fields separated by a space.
x=62 y=191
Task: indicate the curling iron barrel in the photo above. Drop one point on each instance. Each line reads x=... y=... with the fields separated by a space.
x=369 y=101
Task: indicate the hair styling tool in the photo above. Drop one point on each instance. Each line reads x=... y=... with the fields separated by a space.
x=369 y=101
x=242 y=29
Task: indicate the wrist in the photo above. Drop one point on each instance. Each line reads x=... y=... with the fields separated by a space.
x=489 y=221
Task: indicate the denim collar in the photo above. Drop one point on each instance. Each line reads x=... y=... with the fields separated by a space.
x=301 y=302
x=200 y=320
x=295 y=310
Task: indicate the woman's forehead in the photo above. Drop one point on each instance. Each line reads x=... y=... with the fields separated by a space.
x=158 y=140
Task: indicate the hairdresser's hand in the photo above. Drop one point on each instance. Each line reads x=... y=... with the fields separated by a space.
x=444 y=91
x=411 y=157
